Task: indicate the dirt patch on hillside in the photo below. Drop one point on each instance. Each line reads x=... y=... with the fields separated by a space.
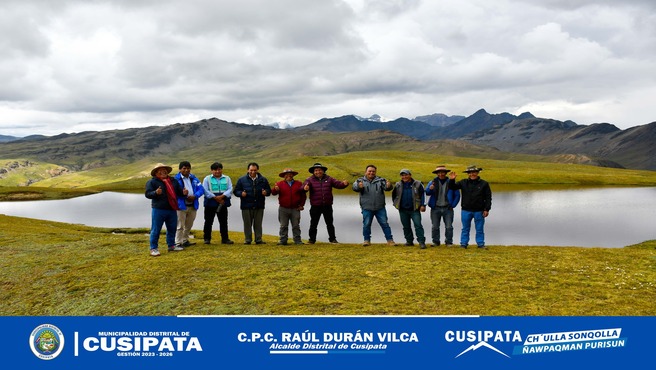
x=25 y=195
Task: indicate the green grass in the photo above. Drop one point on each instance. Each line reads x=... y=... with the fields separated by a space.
x=518 y=171
x=62 y=269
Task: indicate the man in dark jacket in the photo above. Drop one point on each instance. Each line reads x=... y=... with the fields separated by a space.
x=252 y=189
x=163 y=191
x=476 y=204
x=321 y=187
x=409 y=198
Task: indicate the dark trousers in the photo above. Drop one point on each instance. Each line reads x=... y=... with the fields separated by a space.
x=222 y=216
x=315 y=214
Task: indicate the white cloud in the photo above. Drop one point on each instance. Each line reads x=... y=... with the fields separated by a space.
x=78 y=65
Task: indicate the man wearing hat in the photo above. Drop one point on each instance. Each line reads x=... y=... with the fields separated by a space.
x=442 y=202
x=372 y=202
x=410 y=199
x=321 y=187
x=163 y=191
x=291 y=201
x=476 y=203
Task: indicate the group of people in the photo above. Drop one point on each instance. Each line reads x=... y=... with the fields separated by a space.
x=175 y=201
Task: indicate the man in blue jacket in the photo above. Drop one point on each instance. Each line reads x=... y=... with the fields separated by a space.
x=442 y=202
x=188 y=204
x=252 y=188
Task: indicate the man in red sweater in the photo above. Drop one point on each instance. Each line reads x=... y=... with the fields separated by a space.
x=292 y=201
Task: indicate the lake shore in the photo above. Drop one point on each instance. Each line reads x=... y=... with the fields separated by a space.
x=562 y=217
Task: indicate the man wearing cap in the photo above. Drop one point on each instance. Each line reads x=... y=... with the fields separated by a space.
x=442 y=201
x=410 y=199
x=187 y=205
x=252 y=188
x=291 y=201
x=372 y=202
x=321 y=187
x=476 y=203
x=163 y=191
x=218 y=192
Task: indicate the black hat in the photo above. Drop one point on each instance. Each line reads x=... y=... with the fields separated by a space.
x=317 y=165
x=473 y=168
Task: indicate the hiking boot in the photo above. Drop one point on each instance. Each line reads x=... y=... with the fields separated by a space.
x=155 y=252
x=391 y=243
x=175 y=248
x=366 y=243
x=422 y=246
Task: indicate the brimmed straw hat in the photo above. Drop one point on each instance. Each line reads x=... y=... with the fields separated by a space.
x=441 y=168
x=286 y=171
x=161 y=165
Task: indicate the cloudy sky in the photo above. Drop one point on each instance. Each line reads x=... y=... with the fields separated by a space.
x=70 y=66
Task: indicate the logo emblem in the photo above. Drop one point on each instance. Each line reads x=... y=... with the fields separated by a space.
x=46 y=341
x=479 y=345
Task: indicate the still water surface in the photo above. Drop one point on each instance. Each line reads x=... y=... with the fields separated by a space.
x=608 y=217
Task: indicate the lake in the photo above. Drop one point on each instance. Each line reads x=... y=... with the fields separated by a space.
x=605 y=217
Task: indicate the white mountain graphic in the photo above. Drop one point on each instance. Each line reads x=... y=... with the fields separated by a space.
x=474 y=347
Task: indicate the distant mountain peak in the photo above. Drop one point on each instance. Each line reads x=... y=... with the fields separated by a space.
x=375 y=118
x=372 y=118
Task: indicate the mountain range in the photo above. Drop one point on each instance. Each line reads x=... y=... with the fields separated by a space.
x=600 y=144
x=483 y=135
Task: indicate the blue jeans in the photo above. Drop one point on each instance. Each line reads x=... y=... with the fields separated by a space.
x=415 y=216
x=159 y=218
x=479 y=223
x=381 y=217
x=438 y=214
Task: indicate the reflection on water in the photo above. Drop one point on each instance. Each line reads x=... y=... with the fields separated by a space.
x=608 y=217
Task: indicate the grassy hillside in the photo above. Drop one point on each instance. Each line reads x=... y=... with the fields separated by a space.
x=23 y=172
x=63 y=269
x=513 y=169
